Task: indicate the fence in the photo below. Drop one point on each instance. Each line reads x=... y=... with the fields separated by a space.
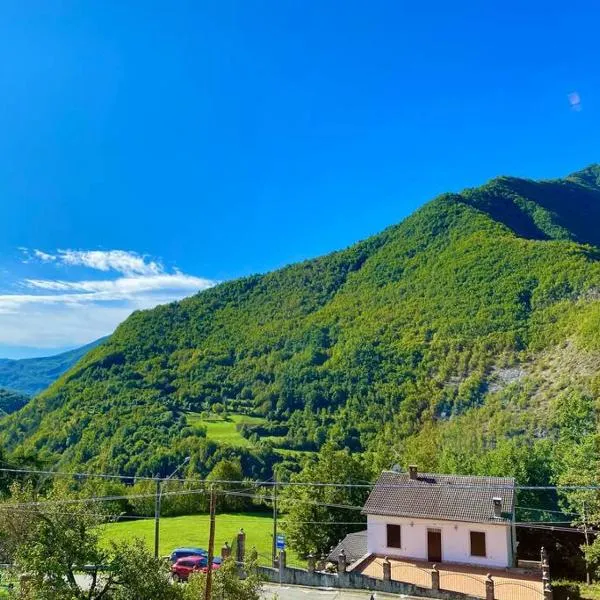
x=397 y=577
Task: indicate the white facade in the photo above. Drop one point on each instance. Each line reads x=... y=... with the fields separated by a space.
x=455 y=538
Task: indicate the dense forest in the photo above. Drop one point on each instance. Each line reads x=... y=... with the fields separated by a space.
x=464 y=339
x=11 y=401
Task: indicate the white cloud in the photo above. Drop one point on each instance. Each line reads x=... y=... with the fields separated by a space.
x=61 y=312
x=43 y=256
x=121 y=261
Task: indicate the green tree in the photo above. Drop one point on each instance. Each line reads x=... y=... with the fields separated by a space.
x=226 y=584
x=318 y=516
x=57 y=545
x=230 y=496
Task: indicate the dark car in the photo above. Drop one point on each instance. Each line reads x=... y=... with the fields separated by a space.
x=183 y=552
x=184 y=567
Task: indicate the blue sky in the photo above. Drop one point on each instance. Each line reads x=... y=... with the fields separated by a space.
x=217 y=139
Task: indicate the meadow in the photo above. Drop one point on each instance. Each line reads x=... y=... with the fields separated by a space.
x=193 y=530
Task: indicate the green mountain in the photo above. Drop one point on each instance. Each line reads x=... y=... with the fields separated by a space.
x=30 y=376
x=461 y=338
x=11 y=401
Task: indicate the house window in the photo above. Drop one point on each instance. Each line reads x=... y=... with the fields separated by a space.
x=393 y=536
x=477 y=543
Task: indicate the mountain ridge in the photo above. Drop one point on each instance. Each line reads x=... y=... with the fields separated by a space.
x=30 y=376
x=368 y=347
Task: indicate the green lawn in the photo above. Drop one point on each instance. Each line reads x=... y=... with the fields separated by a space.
x=193 y=531
x=224 y=429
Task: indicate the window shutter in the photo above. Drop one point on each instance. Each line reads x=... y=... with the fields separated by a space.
x=478 y=543
x=393 y=536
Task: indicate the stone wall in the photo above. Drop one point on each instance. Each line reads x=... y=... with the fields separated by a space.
x=352 y=580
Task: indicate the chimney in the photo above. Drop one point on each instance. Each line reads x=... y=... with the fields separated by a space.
x=412 y=471
x=497 y=507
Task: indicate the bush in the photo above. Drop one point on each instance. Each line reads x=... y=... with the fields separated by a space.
x=566 y=590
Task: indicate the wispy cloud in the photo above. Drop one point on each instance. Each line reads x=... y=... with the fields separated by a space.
x=64 y=311
x=121 y=261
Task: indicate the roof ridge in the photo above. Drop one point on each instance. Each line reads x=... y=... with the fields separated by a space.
x=427 y=474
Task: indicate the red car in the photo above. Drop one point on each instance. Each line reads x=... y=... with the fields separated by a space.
x=187 y=565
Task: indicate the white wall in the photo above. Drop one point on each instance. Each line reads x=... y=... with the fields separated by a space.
x=456 y=540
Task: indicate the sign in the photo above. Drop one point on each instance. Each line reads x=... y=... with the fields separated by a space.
x=280 y=542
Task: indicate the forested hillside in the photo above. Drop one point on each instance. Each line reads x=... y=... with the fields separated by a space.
x=465 y=339
x=11 y=401
x=30 y=376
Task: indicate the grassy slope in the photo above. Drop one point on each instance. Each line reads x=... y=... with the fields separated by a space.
x=388 y=337
x=224 y=430
x=193 y=531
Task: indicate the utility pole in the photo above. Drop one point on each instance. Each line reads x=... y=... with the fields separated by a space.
x=157 y=499
x=274 y=552
x=156 y=517
x=211 y=544
x=587 y=542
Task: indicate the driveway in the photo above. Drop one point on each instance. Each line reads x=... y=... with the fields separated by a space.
x=295 y=592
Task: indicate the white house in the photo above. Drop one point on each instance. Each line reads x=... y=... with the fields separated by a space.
x=442 y=518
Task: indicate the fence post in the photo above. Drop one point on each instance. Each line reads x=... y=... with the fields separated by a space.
x=547 y=590
x=342 y=562
x=241 y=546
x=545 y=564
x=282 y=559
x=311 y=563
x=435 y=578
x=387 y=569
x=489 y=588
x=322 y=564
x=225 y=551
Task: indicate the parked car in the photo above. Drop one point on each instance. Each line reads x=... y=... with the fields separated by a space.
x=183 y=552
x=184 y=567
x=217 y=560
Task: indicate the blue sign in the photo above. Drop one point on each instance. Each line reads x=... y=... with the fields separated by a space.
x=280 y=542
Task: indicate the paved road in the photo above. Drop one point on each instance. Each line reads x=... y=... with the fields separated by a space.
x=294 y=592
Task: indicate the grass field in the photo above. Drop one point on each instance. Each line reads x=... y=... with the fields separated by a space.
x=224 y=429
x=193 y=531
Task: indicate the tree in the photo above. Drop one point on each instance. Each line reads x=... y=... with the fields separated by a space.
x=229 y=498
x=581 y=464
x=57 y=545
x=316 y=516
x=226 y=584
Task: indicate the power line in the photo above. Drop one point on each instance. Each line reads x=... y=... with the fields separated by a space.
x=134 y=478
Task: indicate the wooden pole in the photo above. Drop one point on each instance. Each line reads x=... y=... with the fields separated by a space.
x=274 y=550
x=157 y=518
x=588 y=578
x=211 y=544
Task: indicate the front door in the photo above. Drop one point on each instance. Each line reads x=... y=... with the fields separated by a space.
x=434 y=545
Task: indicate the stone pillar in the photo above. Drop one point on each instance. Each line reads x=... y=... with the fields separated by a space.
x=342 y=562
x=547 y=590
x=435 y=578
x=322 y=563
x=282 y=559
x=489 y=588
x=225 y=551
x=311 y=563
x=241 y=546
x=387 y=569
x=545 y=564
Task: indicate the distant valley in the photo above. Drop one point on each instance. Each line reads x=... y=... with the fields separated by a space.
x=29 y=376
